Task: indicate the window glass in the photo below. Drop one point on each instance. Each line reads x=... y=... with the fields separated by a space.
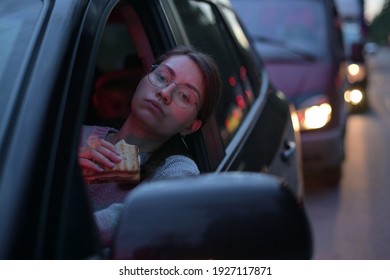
x=205 y=32
x=116 y=47
x=285 y=28
x=118 y=70
x=250 y=63
x=17 y=24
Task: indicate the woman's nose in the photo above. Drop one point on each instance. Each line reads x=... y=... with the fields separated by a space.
x=166 y=93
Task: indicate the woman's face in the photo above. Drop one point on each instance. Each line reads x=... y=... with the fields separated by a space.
x=157 y=110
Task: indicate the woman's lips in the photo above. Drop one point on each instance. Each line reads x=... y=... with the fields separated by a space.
x=156 y=106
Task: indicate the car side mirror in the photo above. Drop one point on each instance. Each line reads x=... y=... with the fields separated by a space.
x=214 y=216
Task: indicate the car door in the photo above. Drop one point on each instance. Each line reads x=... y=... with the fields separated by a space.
x=43 y=206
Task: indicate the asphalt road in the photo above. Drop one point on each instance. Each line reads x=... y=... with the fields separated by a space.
x=351 y=221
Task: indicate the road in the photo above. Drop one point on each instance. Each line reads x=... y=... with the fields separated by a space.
x=352 y=221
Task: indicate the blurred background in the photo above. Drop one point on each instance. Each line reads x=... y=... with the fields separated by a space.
x=377 y=15
x=351 y=220
x=348 y=198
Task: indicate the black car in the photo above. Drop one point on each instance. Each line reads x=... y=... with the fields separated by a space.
x=55 y=52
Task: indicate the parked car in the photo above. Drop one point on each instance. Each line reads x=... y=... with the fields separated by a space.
x=54 y=53
x=301 y=44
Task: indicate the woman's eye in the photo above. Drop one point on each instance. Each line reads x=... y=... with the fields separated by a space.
x=184 y=97
x=161 y=78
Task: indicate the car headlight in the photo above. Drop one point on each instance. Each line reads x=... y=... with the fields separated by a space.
x=356 y=72
x=354 y=96
x=314 y=113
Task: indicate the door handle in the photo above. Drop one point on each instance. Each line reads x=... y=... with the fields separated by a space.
x=289 y=150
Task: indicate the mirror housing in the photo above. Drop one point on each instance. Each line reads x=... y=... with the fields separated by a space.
x=233 y=215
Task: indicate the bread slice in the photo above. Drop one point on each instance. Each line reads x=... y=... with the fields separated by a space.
x=127 y=171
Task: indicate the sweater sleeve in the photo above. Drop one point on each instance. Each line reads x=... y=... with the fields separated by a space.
x=174 y=167
x=107 y=221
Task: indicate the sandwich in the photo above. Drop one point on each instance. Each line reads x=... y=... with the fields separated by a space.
x=125 y=172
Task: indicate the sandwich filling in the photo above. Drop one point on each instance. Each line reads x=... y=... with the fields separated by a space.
x=125 y=171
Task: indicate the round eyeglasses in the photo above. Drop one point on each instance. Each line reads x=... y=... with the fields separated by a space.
x=182 y=95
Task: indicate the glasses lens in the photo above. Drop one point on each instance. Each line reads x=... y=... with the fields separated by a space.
x=184 y=97
x=160 y=77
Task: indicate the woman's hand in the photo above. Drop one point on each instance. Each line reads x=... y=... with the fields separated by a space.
x=98 y=155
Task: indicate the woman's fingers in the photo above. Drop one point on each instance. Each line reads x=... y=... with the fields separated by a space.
x=89 y=164
x=87 y=161
x=99 y=154
x=105 y=156
x=109 y=151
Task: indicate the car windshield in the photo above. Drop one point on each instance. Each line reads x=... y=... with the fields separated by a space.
x=280 y=28
x=17 y=23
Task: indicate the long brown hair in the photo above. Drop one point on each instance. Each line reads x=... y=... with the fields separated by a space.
x=212 y=92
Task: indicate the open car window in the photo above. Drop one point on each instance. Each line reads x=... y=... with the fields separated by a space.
x=124 y=58
x=129 y=46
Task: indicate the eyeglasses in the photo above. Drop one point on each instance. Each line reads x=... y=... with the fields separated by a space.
x=183 y=96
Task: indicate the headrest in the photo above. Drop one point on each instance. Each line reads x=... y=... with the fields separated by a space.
x=111 y=76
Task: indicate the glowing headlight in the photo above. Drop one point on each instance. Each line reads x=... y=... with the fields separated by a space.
x=315 y=116
x=353 y=96
x=353 y=69
x=356 y=72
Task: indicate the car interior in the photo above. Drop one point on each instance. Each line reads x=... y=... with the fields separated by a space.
x=126 y=52
x=120 y=58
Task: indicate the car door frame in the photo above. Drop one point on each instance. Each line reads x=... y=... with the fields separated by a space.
x=45 y=213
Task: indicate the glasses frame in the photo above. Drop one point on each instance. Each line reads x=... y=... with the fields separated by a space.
x=153 y=68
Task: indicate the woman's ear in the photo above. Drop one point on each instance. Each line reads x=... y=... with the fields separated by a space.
x=195 y=125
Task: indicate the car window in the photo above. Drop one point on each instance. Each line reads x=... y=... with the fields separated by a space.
x=17 y=24
x=250 y=64
x=207 y=33
x=122 y=61
x=298 y=26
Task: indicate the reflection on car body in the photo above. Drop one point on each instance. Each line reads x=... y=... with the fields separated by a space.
x=48 y=85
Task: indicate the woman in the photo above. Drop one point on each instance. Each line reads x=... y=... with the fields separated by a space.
x=175 y=99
